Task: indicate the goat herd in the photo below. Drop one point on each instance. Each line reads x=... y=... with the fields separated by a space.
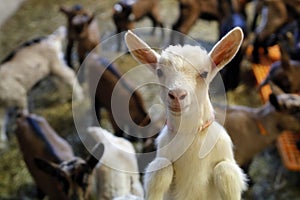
x=194 y=157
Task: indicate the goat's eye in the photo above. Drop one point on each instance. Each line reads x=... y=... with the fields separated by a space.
x=203 y=74
x=159 y=73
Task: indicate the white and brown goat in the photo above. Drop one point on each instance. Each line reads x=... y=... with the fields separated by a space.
x=51 y=161
x=82 y=30
x=118 y=175
x=253 y=129
x=194 y=159
x=28 y=64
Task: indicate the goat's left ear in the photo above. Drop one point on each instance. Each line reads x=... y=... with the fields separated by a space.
x=94 y=158
x=47 y=166
x=141 y=51
x=65 y=10
x=223 y=52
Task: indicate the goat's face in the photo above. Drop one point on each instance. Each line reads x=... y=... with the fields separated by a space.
x=74 y=176
x=285 y=76
x=122 y=16
x=185 y=72
x=284 y=73
x=73 y=11
x=288 y=107
x=182 y=72
x=80 y=24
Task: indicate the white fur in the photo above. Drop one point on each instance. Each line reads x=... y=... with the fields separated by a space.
x=117 y=174
x=30 y=65
x=191 y=162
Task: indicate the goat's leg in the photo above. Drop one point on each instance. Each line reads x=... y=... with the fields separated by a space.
x=97 y=107
x=155 y=23
x=157 y=182
x=69 y=52
x=230 y=180
x=187 y=19
x=68 y=76
x=120 y=36
x=81 y=53
x=136 y=186
x=3 y=136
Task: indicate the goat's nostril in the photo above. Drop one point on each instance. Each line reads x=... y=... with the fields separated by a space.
x=177 y=94
x=171 y=95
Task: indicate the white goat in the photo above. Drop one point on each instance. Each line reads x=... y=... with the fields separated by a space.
x=117 y=175
x=194 y=158
x=26 y=66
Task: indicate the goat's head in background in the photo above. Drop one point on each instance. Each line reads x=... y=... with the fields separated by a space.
x=74 y=176
x=78 y=19
x=73 y=11
x=284 y=73
x=122 y=16
x=288 y=107
x=186 y=71
x=80 y=23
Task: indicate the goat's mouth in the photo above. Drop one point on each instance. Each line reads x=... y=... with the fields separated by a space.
x=177 y=109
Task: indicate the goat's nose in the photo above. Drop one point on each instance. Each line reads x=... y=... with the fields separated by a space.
x=177 y=94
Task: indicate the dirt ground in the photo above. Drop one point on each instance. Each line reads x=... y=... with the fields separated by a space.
x=41 y=17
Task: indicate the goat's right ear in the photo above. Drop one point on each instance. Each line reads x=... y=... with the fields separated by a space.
x=141 y=51
x=64 y=10
x=225 y=50
x=47 y=166
x=97 y=154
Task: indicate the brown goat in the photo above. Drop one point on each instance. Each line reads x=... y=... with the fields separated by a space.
x=253 y=129
x=83 y=29
x=43 y=149
x=284 y=73
x=109 y=83
x=126 y=12
x=191 y=10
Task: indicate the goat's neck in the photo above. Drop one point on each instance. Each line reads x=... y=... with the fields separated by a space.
x=192 y=120
x=267 y=117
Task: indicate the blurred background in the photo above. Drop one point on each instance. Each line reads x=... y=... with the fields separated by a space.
x=22 y=20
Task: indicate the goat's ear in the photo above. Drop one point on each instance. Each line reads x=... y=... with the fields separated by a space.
x=91 y=18
x=285 y=57
x=94 y=158
x=274 y=101
x=275 y=89
x=223 y=52
x=140 y=50
x=47 y=166
x=64 y=10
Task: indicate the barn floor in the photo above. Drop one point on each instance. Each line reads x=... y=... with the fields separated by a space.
x=53 y=101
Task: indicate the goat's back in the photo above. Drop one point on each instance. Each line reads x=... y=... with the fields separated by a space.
x=117 y=175
x=32 y=61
